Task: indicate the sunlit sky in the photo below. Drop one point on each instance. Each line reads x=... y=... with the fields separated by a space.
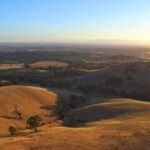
x=74 y=20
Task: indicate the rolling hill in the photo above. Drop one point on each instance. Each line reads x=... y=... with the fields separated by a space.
x=30 y=101
x=129 y=80
x=116 y=124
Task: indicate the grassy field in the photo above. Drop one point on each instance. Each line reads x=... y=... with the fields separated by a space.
x=29 y=101
x=11 y=66
x=114 y=124
x=49 y=63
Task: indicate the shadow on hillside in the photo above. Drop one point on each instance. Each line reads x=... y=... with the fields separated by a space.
x=93 y=113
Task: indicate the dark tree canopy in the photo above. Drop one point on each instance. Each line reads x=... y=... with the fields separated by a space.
x=34 y=122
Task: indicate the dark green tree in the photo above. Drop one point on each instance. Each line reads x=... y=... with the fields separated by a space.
x=34 y=122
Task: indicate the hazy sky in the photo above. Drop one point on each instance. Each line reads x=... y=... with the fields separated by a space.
x=74 y=20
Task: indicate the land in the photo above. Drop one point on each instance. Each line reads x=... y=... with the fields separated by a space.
x=47 y=64
x=112 y=123
x=10 y=66
x=87 y=96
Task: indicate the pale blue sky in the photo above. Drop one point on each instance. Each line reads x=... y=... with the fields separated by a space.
x=74 y=20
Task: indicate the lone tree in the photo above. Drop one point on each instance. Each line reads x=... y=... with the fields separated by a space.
x=34 y=122
x=12 y=130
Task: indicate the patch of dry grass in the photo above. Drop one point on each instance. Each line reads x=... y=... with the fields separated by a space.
x=11 y=66
x=128 y=130
x=105 y=135
x=49 y=63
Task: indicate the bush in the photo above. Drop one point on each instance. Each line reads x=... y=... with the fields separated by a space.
x=12 y=130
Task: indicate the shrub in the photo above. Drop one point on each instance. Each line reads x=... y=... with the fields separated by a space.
x=12 y=130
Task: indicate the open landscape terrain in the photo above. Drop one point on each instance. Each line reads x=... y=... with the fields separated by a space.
x=84 y=100
x=75 y=75
x=47 y=64
x=115 y=123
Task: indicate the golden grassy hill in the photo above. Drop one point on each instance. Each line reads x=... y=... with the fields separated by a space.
x=117 y=124
x=29 y=100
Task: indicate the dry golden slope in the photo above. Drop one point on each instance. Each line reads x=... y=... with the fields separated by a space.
x=29 y=100
x=117 y=124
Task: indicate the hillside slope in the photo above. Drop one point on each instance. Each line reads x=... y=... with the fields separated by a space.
x=116 y=124
x=118 y=109
x=129 y=80
x=29 y=100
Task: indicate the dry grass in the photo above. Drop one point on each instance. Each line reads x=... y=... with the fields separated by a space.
x=105 y=135
x=46 y=64
x=29 y=101
x=11 y=66
x=126 y=126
